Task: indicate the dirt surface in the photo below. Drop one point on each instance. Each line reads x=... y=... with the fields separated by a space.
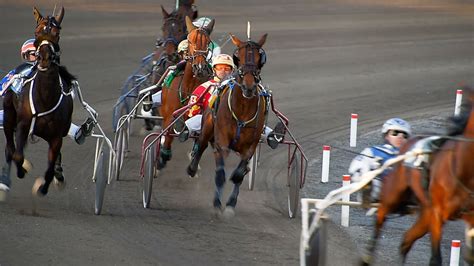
x=326 y=60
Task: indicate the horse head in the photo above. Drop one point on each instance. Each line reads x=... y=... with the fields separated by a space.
x=198 y=47
x=46 y=54
x=249 y=58
x=173 y=32
x=48 y=28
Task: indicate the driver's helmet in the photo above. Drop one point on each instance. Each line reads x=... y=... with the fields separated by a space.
x=202 y=22
x=27 y=48
x=183 y=46
x=396 y=124
x=223 y=59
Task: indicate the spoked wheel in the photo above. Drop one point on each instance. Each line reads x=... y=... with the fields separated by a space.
x=294 y=185
x=121 y=140
x=316 y=254
x=100 y=181
x=253 y=167
x=149 y=175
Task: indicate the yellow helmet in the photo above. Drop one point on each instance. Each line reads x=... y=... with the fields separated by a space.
x=223 y=59
x=183 y=46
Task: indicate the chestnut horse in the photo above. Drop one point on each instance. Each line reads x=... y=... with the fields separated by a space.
x=238 y=121
x=444 y=191
x=43 y=107
x=196 y=71
x=451 y=189
x=402 y=188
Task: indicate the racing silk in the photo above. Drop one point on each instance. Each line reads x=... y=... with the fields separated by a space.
x=200 y=106
x=15 y=78
x=214 y=50
x=371 y=158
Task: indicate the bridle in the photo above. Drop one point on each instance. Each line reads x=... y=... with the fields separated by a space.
x=249 y=66
x=193 y=54
x=54 y=55
x=170 y=25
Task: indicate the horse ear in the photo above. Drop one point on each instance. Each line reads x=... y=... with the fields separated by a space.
x=165 y=13
x=37 y=15
x=59 y=17
x=189 y=24
x=210 y=26
x=262 y=39
x=235 y=40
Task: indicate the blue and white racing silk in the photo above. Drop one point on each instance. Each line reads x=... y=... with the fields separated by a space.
x=15 y=78
x=370 y=159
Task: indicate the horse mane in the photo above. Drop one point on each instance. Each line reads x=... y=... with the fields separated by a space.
x=66 y=75
x=457 y=123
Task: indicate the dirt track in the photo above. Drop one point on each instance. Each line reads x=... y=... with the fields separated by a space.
x=326 y=59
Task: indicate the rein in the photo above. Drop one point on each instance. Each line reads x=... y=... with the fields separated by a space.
x=240 y=124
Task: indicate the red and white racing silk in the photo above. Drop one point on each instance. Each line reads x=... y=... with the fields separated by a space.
x=204 y=103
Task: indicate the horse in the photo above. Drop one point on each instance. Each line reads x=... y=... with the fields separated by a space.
x=165 y=54
x=195 y=72
x=173 y=32
x=402 y=188
x=237 y=122
x=451 y=189
x=441 y=189
x=43 y=107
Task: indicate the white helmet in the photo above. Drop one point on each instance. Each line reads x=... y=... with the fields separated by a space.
x=396 y=124
x=202 y=22
x=183 y=46
x=223 y=59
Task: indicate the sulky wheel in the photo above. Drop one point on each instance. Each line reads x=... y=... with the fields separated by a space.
x=100 y=181
x=316 y=254
x=149 y=175
x=253 y=167
x=294 y=185
x=120 y=144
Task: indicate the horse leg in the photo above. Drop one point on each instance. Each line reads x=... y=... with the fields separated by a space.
x=201 y=144
x=9 y=121
x=367 y=259
x=58 y=170
x=237 y=177
x=165 y=150
x=21 y=138
x=418 y=230
x=436 y=226
x=219 y=178
x=54 y=149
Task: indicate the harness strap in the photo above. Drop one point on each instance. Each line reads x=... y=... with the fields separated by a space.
x=240 y=124
x=32 y=105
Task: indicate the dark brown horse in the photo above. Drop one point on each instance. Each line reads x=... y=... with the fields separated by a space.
x=173 y=32
x=238 y=121
x=43 y=107
x=195 y=72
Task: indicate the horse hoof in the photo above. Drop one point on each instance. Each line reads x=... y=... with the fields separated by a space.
x=59 y=184
x=37 y=186
x=229 y=212
x=191 y=172
x=27 y=166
